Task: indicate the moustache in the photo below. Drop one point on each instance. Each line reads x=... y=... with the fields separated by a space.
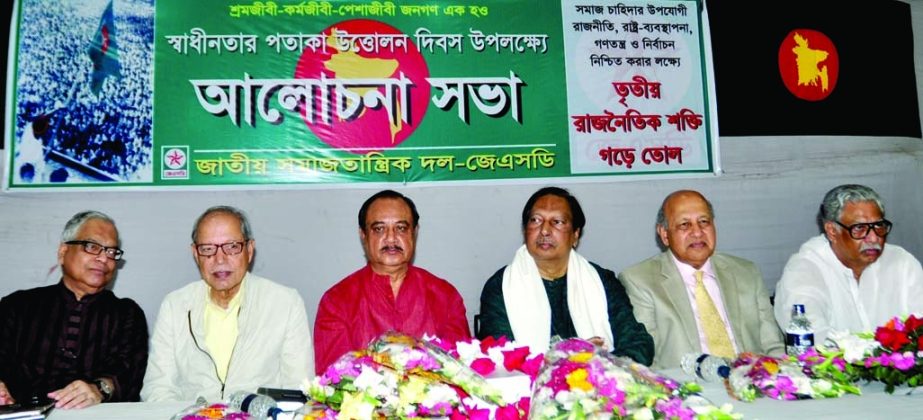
x=867 y=246
x=392 y=248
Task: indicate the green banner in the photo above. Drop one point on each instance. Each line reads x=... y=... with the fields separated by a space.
x=179 y=93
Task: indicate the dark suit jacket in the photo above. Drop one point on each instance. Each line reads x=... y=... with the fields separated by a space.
x=661 y=303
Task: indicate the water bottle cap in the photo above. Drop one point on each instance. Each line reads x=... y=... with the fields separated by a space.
x=245 y=404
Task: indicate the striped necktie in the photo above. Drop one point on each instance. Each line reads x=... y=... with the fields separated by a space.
x=716 y=334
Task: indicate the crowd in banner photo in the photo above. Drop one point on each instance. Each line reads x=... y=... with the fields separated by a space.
x=75 y=130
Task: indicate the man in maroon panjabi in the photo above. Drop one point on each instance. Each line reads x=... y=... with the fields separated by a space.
x=389 y=293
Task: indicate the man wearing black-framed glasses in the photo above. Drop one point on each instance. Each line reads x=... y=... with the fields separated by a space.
x=230 y=331
x=847 y=277
x=75 y=342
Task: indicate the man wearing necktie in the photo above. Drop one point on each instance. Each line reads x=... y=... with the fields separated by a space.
x=691 y=299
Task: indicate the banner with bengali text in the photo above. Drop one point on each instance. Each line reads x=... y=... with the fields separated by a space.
x=179 y=93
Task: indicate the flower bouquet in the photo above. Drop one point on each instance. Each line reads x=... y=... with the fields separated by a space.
x=509 y=366
x=424 y=357
x=205 y=411
x=483 y=356
x=581 y=381
x=819 y=375
x=892 y=355
x=398 y=377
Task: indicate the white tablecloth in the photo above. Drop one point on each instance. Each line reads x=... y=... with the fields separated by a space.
x=130 y=411
x=122 y=411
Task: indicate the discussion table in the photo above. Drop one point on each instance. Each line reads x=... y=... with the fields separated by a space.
x=873 y=403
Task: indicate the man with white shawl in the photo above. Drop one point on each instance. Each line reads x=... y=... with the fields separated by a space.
x=551 y=290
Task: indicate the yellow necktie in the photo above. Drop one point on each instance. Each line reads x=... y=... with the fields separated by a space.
x=716 y=334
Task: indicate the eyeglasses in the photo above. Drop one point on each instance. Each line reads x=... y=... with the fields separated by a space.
x=94 y=248
x=230 y=248
x=861 y=230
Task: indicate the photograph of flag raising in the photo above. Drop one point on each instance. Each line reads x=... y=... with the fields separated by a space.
x=104 y=51
x=83 y=102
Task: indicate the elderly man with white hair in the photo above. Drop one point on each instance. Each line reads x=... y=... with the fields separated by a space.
x=847 y=278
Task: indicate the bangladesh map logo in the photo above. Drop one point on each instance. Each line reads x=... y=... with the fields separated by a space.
x=368 y=73
x=174 y=162
x=809 y=64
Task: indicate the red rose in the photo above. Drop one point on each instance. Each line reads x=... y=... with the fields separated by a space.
x=490 y=342
x=891 y=339
x=912 y=323
x=514 y=359
x=531 y=366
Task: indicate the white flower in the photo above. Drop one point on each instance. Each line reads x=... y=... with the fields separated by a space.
x=469 y=352
x=803 y=384
x=550 y=411
x=821 y=386
x=738 y=378
x=496 y=354
x=564 y=399
x=306 y=384
x=644 y=413
x=370 y=380
x=854 y=348
x=439 y=393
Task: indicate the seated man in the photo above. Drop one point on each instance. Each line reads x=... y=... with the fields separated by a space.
x=551 y=290
x=693 y=300
x=389 y=293
x=846 y=277
x=74 y=341
x=232 y=330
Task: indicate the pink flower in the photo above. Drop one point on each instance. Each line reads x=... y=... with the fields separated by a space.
x=903 y=361
x=558 y=380
x=616 y=407
x=524 y=404
x=457 y=415
x=784 y=389
x=445 y=345
x=478 y=414
x=484 y=366
x=575 y=345
x=508 y=412
x=608 y=387
x=673 y=409
x=531 y=366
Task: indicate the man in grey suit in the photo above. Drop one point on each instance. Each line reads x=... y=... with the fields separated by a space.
x=695 y=301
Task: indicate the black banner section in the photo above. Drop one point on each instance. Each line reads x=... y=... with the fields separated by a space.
x=852 y=64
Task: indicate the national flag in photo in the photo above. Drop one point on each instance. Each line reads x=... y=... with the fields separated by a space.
x=104 y=51
x=814 y=67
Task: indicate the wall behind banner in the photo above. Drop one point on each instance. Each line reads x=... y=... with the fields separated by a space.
x=765 y=201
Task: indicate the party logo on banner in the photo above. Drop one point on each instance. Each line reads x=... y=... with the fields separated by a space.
x=174 y=162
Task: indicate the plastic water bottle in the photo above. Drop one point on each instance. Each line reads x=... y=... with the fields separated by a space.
x=799 y=335
x=706 y=366
x=259 y=407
